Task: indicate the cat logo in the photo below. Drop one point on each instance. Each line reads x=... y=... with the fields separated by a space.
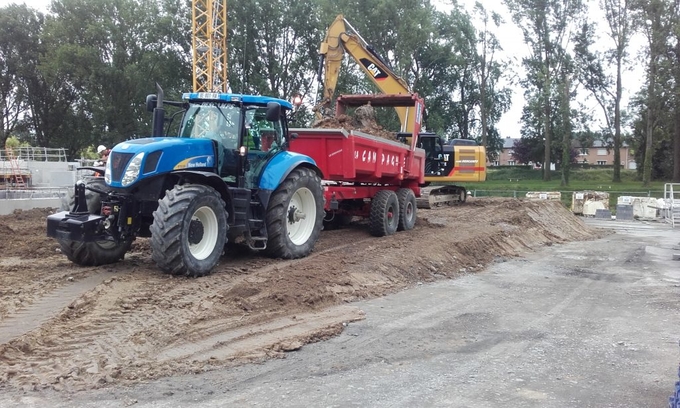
x=376 y=72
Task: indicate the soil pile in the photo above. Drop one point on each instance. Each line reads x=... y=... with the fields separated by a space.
x=363 y=120
x=67 y=327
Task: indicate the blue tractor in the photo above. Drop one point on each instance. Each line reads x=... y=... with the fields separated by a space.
x=227 y=177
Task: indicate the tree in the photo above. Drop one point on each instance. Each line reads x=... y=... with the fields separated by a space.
x=527 y=150
x=100 y=59
x=652 y=12
x=272 y=51
x=20 y=29
x=493 y=101
x=546 y=26
x=593 y=76
x=674 y=55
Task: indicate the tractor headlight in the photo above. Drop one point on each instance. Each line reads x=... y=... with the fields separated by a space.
x=107 y=173
x=133 y=169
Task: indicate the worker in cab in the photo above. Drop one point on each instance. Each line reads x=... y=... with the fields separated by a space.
x=103 y=153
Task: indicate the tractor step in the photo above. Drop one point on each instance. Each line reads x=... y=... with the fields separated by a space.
x=257 y=243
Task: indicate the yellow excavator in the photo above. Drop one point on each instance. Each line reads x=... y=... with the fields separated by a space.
x=455 y=161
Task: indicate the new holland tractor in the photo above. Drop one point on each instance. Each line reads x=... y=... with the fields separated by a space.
x=228 y=176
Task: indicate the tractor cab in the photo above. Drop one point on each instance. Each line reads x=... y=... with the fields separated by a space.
x=246 y=131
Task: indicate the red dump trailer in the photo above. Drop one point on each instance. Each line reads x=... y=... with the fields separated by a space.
x=365 y=175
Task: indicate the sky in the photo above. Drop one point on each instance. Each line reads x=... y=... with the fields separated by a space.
x=512 y=42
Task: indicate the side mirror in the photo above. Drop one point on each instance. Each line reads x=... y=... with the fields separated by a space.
x=151 y=102
x=273 y=111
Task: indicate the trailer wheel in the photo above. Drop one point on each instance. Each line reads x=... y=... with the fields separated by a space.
x=189 y=230
x=407 y=209
x=91 y=253
x=384 y=217
x=295 y=215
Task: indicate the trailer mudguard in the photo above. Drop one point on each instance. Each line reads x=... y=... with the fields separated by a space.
x=280 y=166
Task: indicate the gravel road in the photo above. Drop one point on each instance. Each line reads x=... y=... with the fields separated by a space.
x=581 y=324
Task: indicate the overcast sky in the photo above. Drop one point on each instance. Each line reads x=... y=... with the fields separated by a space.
x=510 y=37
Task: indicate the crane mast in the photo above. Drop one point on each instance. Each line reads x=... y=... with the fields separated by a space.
x=209 y=45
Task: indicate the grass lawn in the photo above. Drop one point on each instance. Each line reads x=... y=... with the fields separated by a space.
x=516 y=182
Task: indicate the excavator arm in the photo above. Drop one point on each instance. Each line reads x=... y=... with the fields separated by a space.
x=341 y=38
x=445 y=163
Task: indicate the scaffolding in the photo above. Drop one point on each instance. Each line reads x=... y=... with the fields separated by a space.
x=672 y=204
x=13 y=171
x=15 y=163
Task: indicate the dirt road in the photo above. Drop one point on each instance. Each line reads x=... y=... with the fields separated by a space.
x=66 y=328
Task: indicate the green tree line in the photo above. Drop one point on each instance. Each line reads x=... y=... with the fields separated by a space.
x=77 y=75
x=567 y=60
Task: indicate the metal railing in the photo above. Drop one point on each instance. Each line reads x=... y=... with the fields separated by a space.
x=43 y=154
x=671 y=212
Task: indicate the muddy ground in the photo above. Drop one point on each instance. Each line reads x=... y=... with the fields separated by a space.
x=69 y=328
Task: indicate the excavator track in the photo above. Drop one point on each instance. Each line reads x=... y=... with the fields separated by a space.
x=439 y=196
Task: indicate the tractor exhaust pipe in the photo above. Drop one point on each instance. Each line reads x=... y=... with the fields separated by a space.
x=158 y=113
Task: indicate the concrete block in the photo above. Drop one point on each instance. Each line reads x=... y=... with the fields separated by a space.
x=603 y=214
x=624 y=212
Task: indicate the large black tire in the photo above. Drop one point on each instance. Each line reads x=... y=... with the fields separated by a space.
x=94 y=253
x=407 y=209
x=189 y=230
x=91 y=253
x=384 y=217
x=295 y=215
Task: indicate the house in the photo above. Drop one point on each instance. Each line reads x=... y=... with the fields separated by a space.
x=598 y=154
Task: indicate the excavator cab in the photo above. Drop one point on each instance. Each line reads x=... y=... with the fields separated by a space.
x=435 y=160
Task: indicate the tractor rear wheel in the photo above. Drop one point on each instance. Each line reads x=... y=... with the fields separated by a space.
x=407 y=209
x=384 y=217
x=295 y=215
x=189 y=230
x=92 y=253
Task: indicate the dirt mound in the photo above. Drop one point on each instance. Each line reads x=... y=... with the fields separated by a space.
x=128 y=322
x=363 y=120
x=24 y=236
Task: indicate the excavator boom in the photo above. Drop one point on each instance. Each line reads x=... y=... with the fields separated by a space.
x=341 y=38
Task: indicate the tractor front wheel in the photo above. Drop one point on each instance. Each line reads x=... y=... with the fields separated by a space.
x=295 y=215
x=189 y=230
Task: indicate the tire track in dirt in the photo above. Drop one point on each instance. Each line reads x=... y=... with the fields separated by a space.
x=249 y=339
x=116 y=331
x=46 y=308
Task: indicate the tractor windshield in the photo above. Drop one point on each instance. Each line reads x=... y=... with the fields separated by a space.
x=219 y=121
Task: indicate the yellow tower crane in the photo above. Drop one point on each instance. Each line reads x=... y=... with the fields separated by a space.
x=209 y=45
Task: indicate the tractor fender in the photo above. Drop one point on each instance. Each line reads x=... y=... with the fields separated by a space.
x=280 y=166
x=205 y=178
